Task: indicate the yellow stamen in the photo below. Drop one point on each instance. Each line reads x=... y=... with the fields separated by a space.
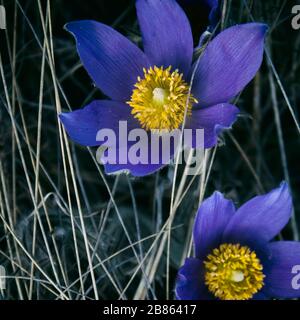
x=160 y=98
x=233 y=272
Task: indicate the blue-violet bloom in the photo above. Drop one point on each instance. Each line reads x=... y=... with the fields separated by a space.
x=149 y=89
x=235 y=255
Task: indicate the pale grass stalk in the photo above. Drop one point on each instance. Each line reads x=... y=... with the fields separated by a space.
x=189 y=239
x=38 y=148
x=21 y=152
x=183 y=178
x=15 y=265
x=38 y=190
x=247 y=161
x=52 y=67
x=118 y=215
x=224 y=10
x=63 y=140
x=32 y=155
x=164 y=232
x=282 y=148
x=15 y=86
x=31 y=258
x=129 y=247
x=9 y=246
x=73 y=221
x=202 y=178
x=276 y=75
x=196 y=175
x=12 y=59
x=28 y=144
x=13 y=102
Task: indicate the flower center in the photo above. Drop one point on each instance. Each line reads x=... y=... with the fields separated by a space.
x=233 y=272
x=160 y=98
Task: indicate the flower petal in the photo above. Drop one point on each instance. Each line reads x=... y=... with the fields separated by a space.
x=190 y=281
x=137 y=170
x=213 y=120
x=112 y=61
x=212 y=218
x=83 y=125
x=167 y=35
x=228 y=63
x=283 y=270
x=260 y=296
x=261 y=218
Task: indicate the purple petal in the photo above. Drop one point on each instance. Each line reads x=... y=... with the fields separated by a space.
x=167 y=35
x=283 y=272
x=83 y=125
x=112 y=61
x=190 y=281
x=228 y=63
x=260 y=296
x=261 y=218
x=137 y=170
x=212 y=218
x=213 y=120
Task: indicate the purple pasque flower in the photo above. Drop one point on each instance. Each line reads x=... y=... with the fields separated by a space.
x=235 y=255
x=149 y=89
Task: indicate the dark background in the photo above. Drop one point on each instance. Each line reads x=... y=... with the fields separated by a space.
x=253 y=140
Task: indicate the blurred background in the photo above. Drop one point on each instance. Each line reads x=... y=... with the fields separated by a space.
x=67 y=231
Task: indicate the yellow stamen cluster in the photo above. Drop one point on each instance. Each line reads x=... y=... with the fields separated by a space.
x=160 y=98
x=233 y=272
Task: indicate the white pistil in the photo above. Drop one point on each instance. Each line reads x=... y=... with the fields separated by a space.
x=237 y=276
x=159 y=95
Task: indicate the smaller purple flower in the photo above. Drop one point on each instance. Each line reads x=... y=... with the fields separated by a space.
x=235 y=257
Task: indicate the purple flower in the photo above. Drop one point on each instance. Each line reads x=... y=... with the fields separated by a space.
x=236 y=258
x=149 y=88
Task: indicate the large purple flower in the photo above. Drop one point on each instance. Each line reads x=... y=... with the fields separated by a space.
x=236 y=258
x=149 y=89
